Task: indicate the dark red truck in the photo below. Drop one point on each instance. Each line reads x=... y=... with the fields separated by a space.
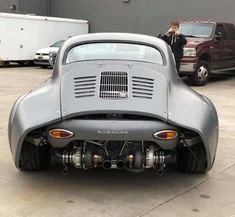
x=210 y=49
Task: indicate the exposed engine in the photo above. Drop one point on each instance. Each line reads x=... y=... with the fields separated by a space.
x=130 y=155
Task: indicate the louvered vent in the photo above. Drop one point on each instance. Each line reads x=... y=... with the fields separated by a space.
x=84 y=86
x=114 y=85
x=142 y=87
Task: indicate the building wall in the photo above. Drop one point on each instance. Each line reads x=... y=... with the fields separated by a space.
x=141 y=16
x=5 y=5
x=38 y=7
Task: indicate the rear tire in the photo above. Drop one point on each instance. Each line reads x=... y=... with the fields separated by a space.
x=34 y=158
x=187 y=163
x=201 y=75
x=21 y=63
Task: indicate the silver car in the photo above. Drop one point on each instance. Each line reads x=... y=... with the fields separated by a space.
x=114 y=101
x=42 y=56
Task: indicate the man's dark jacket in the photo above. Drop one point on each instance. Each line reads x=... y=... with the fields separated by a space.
x=176 y=43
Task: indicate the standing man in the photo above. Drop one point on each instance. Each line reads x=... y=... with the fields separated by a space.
x=176 y=40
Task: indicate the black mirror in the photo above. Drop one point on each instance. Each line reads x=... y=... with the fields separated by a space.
x=218 y=36
x=52 y=58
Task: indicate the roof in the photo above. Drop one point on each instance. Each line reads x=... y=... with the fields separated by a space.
x=204 y=22
x=34 y=17
x=125 y=37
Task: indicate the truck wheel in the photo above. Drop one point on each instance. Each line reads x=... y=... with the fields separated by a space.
x=201 y=76
x=21 y=63
x=189 y=163
x=4 y=63
x=34 y=158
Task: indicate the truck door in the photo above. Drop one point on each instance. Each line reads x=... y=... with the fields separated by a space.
x=219 y=58
x=218 y=48
x=230 y=46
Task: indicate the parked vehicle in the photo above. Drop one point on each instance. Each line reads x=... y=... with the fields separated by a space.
x=114 y=101
x=42 y=56
x=22 y=35
x=210 y=49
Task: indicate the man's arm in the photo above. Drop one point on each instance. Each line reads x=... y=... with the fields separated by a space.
x=183 y=39
x=166 y=39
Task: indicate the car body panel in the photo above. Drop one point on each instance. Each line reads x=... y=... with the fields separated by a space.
x=201 y=108
x=71 y=106
x=114 y=130
x=31 y=111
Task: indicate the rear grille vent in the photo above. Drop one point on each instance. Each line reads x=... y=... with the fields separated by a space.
x=84 y=86
x=113 y=116
x=113 y=85
x=142 y=87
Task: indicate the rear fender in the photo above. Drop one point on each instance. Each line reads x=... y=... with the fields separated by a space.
x=36 y=109
x=192 y=111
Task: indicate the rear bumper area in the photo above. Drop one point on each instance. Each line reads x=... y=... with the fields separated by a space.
x=42 y=62
x=113 y=130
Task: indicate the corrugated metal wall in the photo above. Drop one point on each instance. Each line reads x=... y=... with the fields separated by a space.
x=141 y=16
x=5 y=6
x=38 y=7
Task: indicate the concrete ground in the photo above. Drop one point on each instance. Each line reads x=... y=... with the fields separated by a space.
x=117 y=193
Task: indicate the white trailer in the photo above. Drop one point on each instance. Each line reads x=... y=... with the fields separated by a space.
x=22 y=35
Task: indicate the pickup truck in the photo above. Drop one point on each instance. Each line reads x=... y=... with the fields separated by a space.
x=210 y=49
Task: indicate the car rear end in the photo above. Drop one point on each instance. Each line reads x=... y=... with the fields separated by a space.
x=111 y=118
x=114 y=104
x=42 y=58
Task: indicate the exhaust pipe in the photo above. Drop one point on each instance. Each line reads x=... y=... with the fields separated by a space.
x=120 y=164
x=160 y=170
x=65 y=170
x=107 y=165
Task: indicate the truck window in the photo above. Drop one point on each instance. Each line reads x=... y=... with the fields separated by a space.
x=231 y=31
x=196 y=30
x=220 y=28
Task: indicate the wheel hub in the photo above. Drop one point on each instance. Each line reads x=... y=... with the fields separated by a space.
x=203 y=73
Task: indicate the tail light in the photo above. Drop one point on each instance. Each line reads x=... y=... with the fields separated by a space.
x=60 y=134
x=166 y=135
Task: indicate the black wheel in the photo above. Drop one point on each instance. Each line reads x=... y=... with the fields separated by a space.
x=189 y=163
x=4 y=63
x=34 y=158
x=137 y=160
x=88 y=160
x=21 y=63
x=201 y=75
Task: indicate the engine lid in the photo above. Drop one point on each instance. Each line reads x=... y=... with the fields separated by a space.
x=113 y=87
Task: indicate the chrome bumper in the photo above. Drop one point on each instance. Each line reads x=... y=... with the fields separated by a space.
x=40 y=62
x=187 y=68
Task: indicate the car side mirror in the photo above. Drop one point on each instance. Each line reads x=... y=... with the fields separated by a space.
x=52 y=58
x=218 y=36
x=159 y=35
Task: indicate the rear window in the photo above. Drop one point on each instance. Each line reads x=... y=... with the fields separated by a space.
x=220 y=29
x=231 y=31
x=58 y=43
x=114 y=51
